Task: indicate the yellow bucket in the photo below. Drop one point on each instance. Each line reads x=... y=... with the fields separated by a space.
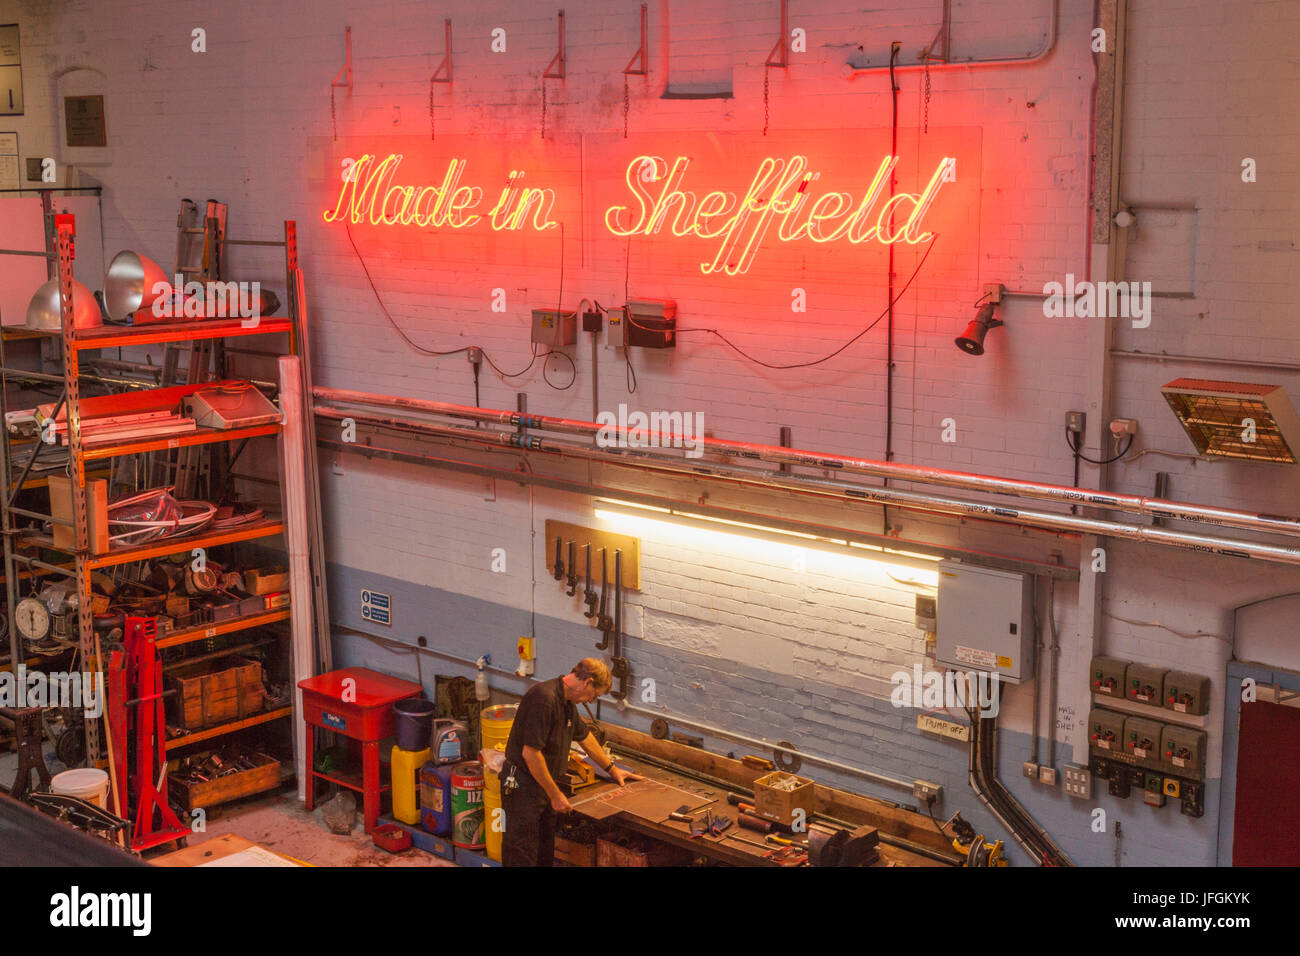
x=492 y=803
x=495 y=724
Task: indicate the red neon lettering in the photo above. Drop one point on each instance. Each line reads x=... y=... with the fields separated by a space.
x=369 y=194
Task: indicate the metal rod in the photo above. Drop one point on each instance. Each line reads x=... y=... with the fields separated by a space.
x=854 y=71
x=922 y=501
x=1202 y=360
x=658 y=501
x=41 y=517
x=27 y=252
x=747 y=451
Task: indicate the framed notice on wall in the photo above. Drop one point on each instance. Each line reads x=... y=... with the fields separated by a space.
x=9 y=161
x=11 y=72
x=84 y=116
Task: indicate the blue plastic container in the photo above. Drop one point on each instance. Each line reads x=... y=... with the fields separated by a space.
x=414 y=722
x=435 y=798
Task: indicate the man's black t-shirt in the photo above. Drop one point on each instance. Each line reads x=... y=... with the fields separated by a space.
x=549 y=723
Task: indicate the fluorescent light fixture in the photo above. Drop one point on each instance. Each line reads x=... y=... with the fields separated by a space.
x=710 y=529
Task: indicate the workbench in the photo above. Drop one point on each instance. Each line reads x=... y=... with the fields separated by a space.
x=736 y=846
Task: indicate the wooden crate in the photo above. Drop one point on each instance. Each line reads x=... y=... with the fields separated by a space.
x=191 y=795
x=573 y=853
x=780 y=805
x=630 y=849
x=211 y=693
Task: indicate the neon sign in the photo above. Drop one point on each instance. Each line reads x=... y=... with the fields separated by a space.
x=778 y=190
x=446 y=205
x=781 y=203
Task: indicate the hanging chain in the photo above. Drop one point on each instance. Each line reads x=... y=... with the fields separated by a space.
x=927 y=95
x=432 y=128
x=543 y=107
x=627 y=101
x=333 y=122
x=766 y=71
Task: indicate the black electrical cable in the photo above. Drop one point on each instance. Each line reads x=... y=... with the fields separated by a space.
x=889 y=280
x=629 y=375
x=825 y=358
x=1074 y=509
x=487 y=358
x=1106 y=461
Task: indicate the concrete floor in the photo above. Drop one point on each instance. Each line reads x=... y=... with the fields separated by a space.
x=278 y=822
x=281 y=823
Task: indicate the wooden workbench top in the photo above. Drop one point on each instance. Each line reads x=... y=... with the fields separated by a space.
x=636 y=809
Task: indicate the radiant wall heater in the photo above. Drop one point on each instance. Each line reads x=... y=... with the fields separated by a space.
x=1236 y=419
x=986 y=621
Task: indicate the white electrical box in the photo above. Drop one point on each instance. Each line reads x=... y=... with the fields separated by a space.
x=986 y=621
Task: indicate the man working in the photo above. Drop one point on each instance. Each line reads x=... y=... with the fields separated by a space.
x=537 y=755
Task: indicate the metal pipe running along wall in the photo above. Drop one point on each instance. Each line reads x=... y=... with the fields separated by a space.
x=1134 y=504
x=912 y=500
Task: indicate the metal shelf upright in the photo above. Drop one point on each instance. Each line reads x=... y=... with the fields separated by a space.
x=16 y=540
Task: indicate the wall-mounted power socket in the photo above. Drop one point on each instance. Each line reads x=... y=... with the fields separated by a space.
x=1047 y=776
x=928 y=793
x=1075 y=422
x=1030 y=769
x=1123 y=426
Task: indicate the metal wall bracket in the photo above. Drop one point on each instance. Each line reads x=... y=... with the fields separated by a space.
x=551 y=73
x=343 y=78
x=783 y=44
x=640 y=54
x=444 y=67
x=346 y=72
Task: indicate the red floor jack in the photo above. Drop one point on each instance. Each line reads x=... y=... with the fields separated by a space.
x=150 y=739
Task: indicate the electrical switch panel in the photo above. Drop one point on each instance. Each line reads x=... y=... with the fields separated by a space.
x=1144 y=684
x=1077 y=781
x=614 y=329
x=986 y=621
x=1187 y=693
x=1193 y=798
x=1108 y=676
x=1142 y=742
x=1105 y=731
x=1153 y=790
x=1183 y=750
x=554 y=328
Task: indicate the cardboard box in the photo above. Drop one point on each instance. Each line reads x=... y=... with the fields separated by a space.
x=266 y=580
x=780 y=804
x=96 y=513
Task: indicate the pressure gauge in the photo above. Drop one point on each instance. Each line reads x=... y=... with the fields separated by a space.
x=32 y=618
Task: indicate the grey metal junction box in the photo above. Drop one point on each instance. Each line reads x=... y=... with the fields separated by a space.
x=986 y=621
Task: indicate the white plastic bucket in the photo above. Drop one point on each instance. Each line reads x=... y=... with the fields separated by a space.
x=86 y=783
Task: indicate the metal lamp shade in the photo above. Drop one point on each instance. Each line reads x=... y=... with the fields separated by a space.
x=44 y=311
x=129 y=285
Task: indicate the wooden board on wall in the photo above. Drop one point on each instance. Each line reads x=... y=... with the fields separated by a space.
x=580 y=536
